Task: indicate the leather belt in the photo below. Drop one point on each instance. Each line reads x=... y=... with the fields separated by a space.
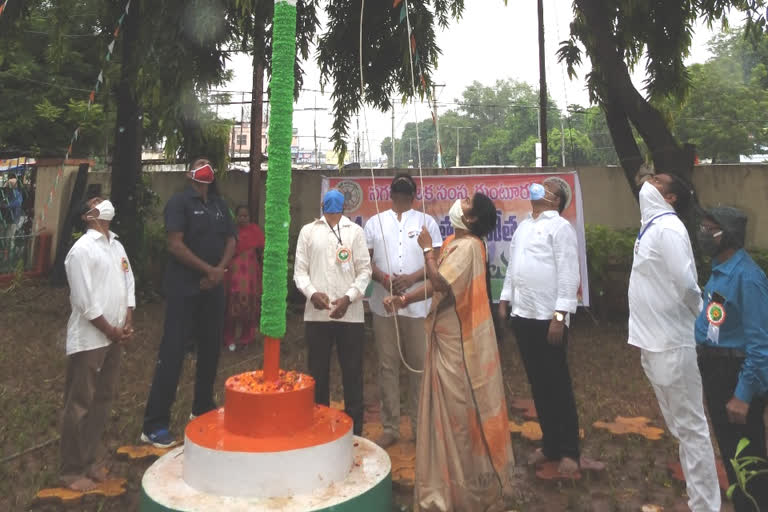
x=709 y=350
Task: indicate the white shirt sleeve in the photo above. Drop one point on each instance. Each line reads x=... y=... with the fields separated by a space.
x=301 y=264
x=370 y=235
x=81 y=291
x=681 y=268
x=565 y=247
x=508 y=287
x=130 y=282
x=362 y=263
x=434 y=232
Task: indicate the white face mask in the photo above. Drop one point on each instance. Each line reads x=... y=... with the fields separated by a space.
x=106 y=210
x=648 y=193
x=456 y=213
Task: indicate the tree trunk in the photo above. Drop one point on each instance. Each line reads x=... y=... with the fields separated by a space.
x=542 y=90
x=257 y=113
x=126 y=161
x=620 y=99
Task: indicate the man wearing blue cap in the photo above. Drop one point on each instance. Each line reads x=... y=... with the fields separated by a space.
x=333 y=269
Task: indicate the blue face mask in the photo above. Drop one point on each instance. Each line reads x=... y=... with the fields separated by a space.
x=537 y=191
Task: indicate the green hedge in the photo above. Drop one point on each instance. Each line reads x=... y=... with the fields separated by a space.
x=611 y=250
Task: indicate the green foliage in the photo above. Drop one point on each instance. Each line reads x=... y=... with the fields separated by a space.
x=498 y=125
x=742 y=467
x=607 y=249
x=385 y=54
x=151 y=260
x=50 y=56
x=723 y=114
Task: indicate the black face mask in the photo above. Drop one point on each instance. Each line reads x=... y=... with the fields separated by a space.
x=709 y=241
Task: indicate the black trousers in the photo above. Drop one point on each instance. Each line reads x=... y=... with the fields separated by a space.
x=550 y=380
x=200 y=316
x=349 y=339
x=719 y=376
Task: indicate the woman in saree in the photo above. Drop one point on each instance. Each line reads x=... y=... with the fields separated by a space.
x=464 y=458
x=244 y=286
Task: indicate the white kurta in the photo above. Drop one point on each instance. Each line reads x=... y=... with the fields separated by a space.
x=317 y=269
x=101 y=284
x=543 y=270
x=664 y=301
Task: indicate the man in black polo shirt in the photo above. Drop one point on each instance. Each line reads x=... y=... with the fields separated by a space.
x=201 y=243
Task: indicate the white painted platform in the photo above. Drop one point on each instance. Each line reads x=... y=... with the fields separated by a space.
x=267 y=474
x=367 y=487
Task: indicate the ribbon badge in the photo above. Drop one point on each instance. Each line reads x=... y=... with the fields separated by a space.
x=343 y=255
x=715 y=314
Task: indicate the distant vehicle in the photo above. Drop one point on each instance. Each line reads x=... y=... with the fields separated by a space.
x=352 y=165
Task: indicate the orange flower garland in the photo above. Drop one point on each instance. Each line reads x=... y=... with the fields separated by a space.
x=253 y=382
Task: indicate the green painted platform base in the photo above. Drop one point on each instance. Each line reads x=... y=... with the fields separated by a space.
x=368 y=487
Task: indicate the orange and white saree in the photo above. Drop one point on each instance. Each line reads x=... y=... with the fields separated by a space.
x=464 y=458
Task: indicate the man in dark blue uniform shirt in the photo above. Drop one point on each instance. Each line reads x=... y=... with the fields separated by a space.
x=732 y=341
x=201 y=243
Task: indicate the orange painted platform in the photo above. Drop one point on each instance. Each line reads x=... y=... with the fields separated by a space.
x=257 y=407
x=209 y=431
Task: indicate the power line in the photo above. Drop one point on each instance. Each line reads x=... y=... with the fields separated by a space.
x=39 y=32
x=52 y=84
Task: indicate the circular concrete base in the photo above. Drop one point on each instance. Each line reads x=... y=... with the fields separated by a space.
x=367 y=487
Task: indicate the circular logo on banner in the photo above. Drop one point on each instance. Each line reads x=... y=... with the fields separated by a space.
x=715 y=314
x=353 y=195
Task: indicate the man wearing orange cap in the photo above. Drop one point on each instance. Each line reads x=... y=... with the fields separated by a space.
x=201 y=243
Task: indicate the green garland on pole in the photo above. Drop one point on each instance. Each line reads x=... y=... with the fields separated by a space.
x=277 y=208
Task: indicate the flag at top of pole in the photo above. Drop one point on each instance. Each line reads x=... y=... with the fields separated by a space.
x=277 y=208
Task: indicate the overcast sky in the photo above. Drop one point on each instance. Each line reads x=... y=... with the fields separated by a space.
x=491 y=42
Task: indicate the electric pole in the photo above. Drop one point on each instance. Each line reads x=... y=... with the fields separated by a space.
x=357 y=142
x=457 y=143
x=317 y=164
x=437 y=124
x=562 y=139
x=410 y=151
x=392 y=164
x=257 y=128
x=542 y=88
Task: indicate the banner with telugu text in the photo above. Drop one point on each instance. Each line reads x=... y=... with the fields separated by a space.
x=508 y=191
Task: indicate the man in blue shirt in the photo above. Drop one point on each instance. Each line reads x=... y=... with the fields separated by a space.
x=732 y=342
x=201 y=243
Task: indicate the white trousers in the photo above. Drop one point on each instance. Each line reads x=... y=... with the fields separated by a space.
x=674 y=375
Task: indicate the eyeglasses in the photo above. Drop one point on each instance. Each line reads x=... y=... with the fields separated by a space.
x=708 y=229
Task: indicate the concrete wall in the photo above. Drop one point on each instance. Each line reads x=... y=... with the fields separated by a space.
x=606 y=195
x=53 y=198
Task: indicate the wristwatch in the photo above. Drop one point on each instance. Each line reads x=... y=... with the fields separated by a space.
x=427 y=250
x=558 y=316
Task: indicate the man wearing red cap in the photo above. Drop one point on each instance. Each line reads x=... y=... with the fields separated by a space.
x=201 y=243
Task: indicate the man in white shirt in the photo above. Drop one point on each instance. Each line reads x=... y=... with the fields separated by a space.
x=333 y=269
x=397 y=261
x=540 y=293
x=664 y=301
x=102 y=297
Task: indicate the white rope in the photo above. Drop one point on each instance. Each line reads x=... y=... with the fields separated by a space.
x=373 y=180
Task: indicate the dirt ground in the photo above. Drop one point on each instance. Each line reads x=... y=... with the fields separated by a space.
x=607 y=377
